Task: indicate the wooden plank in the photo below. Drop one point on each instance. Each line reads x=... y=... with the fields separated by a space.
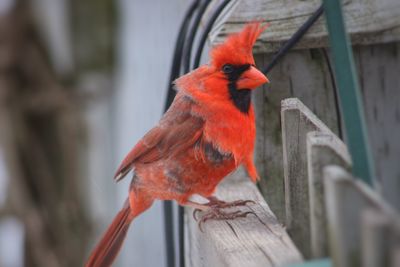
x=297 y=121
x=378 y=67
x=303 y=74
x=372 y=21
x=240 y=242
x=323 y=149
x=346 y=199
x=375 y=244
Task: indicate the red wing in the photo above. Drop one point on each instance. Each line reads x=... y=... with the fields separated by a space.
x=177 y=131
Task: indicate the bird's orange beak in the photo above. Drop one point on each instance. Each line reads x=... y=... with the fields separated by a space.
x=251 y=79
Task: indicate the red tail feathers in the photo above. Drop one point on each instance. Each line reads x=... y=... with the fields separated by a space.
x=110 y=244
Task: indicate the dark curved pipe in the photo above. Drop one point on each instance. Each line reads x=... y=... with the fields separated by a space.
x=206 y=31
x=175 y=69
x=179 y=45
x=192 y=34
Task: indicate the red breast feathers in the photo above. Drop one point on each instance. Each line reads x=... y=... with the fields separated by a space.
x=221 y=91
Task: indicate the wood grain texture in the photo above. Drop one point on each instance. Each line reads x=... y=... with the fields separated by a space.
x=301 y=74
x=378 y=67
x=297 y=122
x=375 y=240
x=241 y=242
x=323 y=149
x=304 y=74
x=372 y=21
x=346 y=200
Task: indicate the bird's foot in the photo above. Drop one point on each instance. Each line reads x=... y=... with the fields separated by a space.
x=215 y=210
x=215 y=203
x=218 y=214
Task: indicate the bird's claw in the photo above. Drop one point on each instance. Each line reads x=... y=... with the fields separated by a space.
x=218 y=215
x=214 y=202
x=195 y=212
x=220 y=204
x=216 y=211
x=238 y=203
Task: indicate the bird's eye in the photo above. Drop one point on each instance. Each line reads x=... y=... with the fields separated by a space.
x=227 y=68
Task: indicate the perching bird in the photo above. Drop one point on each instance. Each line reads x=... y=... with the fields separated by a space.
x=208 y=131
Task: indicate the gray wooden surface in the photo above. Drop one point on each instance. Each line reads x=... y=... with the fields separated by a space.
x=373 y=21
x=352 y=210
x=322 y=149
x=302 y=74
x=379 y=68
x=297 y=122
x=375 y=231
x=240 y=242
x=305 y=74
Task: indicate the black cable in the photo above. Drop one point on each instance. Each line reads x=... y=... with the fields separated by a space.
x=335 y=94
x=176 y=60
x=294 y=39
x=206 y=31
x=169 y=232
x=192 y=34
x=187 y=50
x=181 y=232
x=175 y=72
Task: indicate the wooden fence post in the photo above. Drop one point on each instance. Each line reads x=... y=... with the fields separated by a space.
x=323 y=149
x=297 y=121
x=357 y=215
x=375 y=231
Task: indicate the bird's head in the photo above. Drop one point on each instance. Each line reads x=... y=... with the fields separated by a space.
x=233 y=59
x=231 y=73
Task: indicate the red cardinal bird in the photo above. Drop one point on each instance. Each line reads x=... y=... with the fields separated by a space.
x=208 y=131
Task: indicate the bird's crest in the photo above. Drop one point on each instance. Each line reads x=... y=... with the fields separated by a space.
x=237 y=48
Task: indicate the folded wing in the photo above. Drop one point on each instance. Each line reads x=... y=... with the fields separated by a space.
x=178 y=130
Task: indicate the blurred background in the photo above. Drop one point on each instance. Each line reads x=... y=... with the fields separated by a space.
x=80 y=83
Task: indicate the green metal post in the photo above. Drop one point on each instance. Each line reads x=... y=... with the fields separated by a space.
x=349 y=93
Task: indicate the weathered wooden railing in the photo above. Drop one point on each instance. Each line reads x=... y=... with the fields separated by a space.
x=241 y=242
x=323 y=149
x=328 y=212
x=297 y=122
x=363 y=229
